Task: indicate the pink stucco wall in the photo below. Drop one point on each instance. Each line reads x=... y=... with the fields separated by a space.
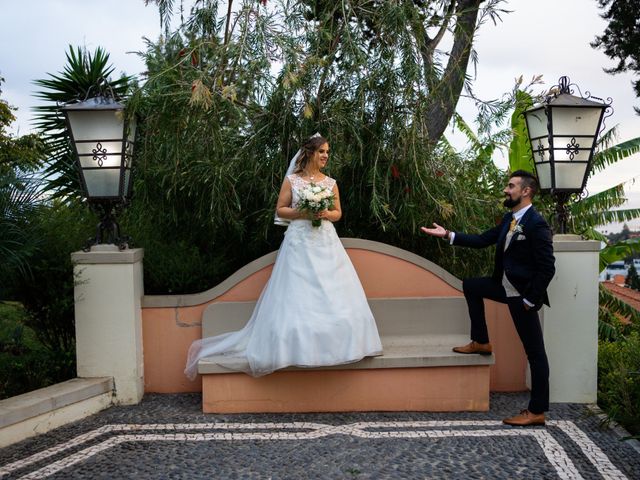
x=168 y=331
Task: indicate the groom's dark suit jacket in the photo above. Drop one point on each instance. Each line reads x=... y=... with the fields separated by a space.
x=528 y=261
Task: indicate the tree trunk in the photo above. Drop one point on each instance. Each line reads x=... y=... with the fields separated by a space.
x=443 y=98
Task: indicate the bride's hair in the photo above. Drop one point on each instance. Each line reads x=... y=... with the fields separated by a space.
x=309 y=147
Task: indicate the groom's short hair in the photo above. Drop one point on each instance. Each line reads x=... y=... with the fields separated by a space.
x=528 y=180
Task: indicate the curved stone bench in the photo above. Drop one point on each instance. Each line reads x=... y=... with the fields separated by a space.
x=417 y=371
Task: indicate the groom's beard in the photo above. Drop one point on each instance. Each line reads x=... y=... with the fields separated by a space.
x=510 y=202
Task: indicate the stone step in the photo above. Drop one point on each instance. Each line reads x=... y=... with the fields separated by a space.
x=41 y=410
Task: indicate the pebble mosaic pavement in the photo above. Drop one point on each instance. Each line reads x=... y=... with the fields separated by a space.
x=168 y=437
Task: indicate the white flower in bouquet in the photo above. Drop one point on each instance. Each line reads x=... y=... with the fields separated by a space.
x=315 y=198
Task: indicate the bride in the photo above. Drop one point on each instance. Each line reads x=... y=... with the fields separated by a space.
x=313 y=311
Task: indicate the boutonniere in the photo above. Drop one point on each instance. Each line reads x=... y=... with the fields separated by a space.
x=517 y=229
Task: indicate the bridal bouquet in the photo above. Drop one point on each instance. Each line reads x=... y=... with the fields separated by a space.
x=314 y=199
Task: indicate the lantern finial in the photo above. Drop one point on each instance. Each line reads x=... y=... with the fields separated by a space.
x=564 y=83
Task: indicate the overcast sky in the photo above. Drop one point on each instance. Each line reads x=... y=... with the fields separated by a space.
x=548 y=37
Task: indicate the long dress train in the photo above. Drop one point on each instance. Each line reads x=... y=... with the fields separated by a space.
x=312 y=312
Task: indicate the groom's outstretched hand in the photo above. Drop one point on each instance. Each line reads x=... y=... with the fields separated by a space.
x=437 y=231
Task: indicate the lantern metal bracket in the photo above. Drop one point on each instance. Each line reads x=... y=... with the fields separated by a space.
x=561 y=211
x=108 y=230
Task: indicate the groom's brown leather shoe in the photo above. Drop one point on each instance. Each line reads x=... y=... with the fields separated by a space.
x=475 y=347
x=525 y=418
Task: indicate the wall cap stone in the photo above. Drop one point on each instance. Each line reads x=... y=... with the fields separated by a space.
x=105 y=256
x=574 y=243
x=171 y=301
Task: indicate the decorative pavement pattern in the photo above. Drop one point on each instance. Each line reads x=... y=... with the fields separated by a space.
x=167 y=436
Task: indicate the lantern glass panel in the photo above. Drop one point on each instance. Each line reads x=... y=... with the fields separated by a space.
x=127 y=182
x=537 y=123
x=93 y=125
x=544 y=175
x=569 y=121
x=112 y=151
x=572 y=149
x=103 y=182
x=131 y=136
x=131 y=130
x=540 y=149
x=570 y=175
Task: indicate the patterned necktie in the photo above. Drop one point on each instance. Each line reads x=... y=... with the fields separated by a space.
x=513 y=223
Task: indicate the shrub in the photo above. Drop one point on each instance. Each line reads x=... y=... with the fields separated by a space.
x=619 y=381
x=26 y=364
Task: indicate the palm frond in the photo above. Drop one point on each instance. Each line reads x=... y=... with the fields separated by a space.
x=615 y=153
x=602 y=208
x=615 y=306
x=19 y=196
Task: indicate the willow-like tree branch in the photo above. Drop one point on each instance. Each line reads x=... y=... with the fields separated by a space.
x=228 y=22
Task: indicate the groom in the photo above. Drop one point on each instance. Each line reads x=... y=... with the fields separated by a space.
x=524 y=266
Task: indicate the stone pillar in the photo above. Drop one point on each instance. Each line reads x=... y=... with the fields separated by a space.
x=108 y=294
x=571 y=323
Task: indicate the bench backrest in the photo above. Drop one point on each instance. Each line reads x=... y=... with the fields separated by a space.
x=410 y=319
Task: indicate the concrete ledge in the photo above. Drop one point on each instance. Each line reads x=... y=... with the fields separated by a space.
x=36 y=412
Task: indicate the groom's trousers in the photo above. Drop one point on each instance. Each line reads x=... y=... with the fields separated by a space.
x=527 y=324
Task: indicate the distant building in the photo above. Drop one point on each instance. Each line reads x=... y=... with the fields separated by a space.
x=615 y=271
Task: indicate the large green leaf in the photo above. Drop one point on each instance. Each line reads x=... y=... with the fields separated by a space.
x=619 y=251
x=519 y=149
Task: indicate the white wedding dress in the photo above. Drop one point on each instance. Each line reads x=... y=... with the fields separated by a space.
x=312 y=312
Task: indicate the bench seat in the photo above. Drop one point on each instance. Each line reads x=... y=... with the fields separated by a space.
x=398 y=355
x=417 y=371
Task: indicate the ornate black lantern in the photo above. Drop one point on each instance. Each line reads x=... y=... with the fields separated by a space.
x=563 y=132
x=103 y=139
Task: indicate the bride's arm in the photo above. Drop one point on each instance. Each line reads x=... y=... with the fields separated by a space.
x=283 y=207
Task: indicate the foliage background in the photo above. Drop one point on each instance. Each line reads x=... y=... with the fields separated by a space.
x=230 y=97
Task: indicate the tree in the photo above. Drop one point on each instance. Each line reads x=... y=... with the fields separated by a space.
x=633 y=280
x=335 y=45
x=230 y=94
x=19 y=195
x=621 y=39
